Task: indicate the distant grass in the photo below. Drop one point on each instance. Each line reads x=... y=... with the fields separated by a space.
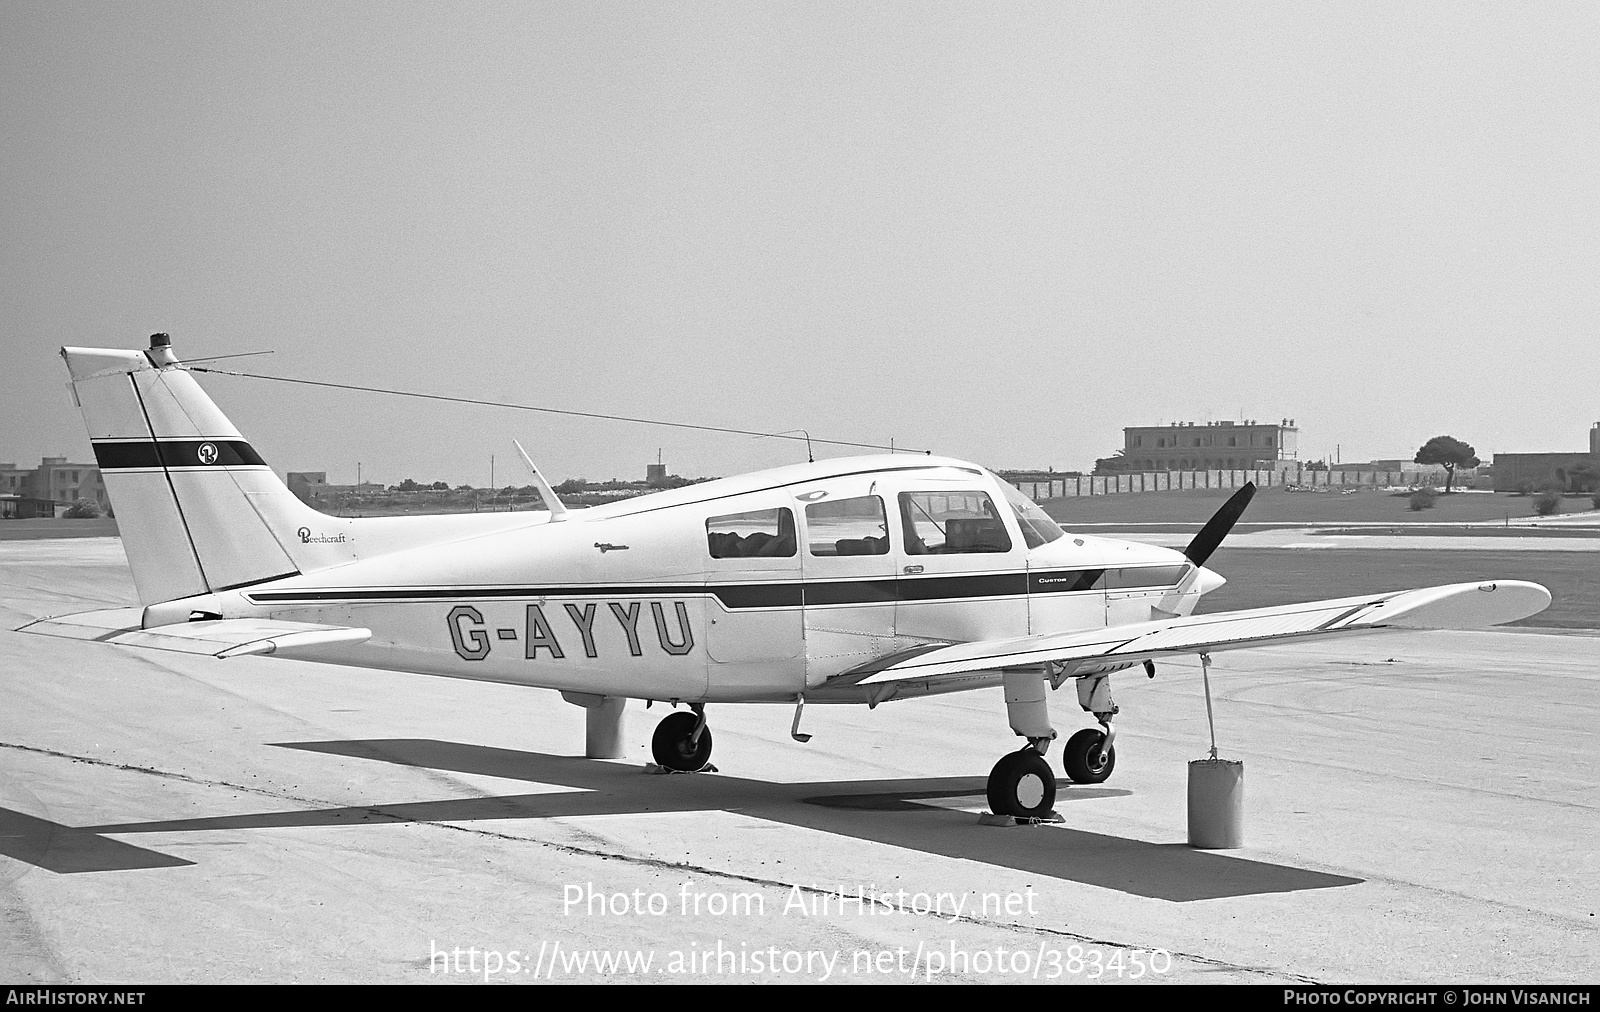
x=1258 y=577
x=1275 y=505
x=40 y=528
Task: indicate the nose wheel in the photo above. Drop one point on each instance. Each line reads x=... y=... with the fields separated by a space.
x=1087 y=758
x=682 y=742
x=1022 y=786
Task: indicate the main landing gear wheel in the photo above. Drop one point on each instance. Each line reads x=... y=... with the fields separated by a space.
x=1081 y=757
x=674 y=747
x=1022 y=786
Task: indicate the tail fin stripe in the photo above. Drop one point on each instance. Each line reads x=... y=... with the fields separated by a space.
x=175 y=453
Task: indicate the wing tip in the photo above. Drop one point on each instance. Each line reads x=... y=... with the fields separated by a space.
x=1479 y=605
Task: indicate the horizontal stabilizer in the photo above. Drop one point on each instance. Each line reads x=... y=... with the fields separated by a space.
x=951 y=668
x=232 y=637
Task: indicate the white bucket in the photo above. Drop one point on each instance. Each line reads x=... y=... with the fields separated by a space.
x=1216 y=804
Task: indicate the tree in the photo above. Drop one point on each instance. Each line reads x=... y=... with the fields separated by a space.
x=1583 y=478
x=1117 y=463
x=1450 y=452
x=83 y=509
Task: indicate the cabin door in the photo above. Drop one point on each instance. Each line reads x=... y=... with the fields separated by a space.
x=849 y=582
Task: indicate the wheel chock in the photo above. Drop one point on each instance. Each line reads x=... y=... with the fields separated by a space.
x=652 y=768
x=990 y=819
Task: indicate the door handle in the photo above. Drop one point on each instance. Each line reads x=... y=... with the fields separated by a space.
x=912 y=569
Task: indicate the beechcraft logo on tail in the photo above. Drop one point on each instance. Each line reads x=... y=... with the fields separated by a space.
x=207 y=452
x=307 y=538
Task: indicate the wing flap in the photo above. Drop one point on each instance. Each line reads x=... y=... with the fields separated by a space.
x=945 y=669
x=232 y=637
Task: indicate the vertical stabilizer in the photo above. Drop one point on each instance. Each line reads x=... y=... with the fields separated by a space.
x=182 y=480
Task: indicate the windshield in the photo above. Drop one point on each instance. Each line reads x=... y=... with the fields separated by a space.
x=1037 y=527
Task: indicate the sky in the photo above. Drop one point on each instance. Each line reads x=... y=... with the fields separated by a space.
x=1001 y=232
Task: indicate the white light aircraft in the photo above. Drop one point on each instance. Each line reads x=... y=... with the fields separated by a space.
x=855 y=580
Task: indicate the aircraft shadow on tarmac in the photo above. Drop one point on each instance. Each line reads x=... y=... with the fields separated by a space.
x=893 y=812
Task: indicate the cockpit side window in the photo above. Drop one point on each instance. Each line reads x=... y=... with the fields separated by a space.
x=758 y=534
x=952 y=523
x=847 y=527
x=1037 y=527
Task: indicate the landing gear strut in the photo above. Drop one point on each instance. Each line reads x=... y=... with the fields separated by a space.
x=1089 y=756
x=1021 y=784
x=682 y=741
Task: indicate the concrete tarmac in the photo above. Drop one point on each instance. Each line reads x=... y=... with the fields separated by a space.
x=1420 y=807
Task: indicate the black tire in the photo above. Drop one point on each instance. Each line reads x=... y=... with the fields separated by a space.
x=1021 y=785
x=672 y=748
x=1081 y=757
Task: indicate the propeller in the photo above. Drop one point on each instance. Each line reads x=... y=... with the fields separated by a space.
x=1200 y=550
x=1219 y=525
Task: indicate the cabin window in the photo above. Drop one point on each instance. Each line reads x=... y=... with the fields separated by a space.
x=848 y=527
x=952 y=523
x=765 y=534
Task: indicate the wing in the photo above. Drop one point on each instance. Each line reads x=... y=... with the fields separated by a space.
x=232 y=637
x=951 y=668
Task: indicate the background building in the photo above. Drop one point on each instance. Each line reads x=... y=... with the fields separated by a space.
x=306 y=485
x=1515 y=472
x=15 y=507
x=11 y=478
x=55 y=479
x=1190 y=446
x=311 y=486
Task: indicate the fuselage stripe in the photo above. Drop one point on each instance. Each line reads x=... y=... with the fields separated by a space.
x=892 y=590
